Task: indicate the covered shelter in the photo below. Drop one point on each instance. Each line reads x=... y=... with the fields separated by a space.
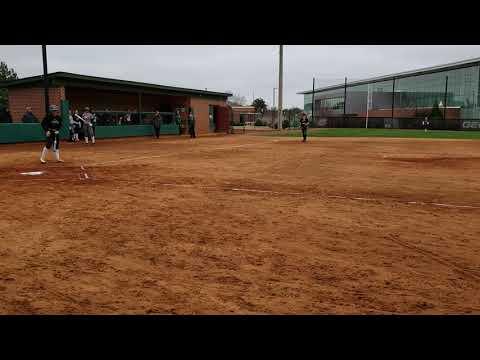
x=112 y=99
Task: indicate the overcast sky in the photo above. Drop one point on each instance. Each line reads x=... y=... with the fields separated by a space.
x=245 y=70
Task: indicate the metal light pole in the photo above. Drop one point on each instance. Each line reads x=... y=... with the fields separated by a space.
x=45 y=80
x=369 y=104
x=280 y=89
x=313 y=102
x=445 y=100
x=273 y=107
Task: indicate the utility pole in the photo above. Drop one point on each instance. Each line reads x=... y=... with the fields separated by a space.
x=445 y=101
x=369 y=102
x=313 y=102
x=280 y=89
x=45 y=80
x=273 y=107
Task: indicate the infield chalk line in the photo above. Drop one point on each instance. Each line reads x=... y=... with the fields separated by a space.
x=264 y=191
x=275 y=192
x=328 y=196
x=237 y=146
x=178 y=153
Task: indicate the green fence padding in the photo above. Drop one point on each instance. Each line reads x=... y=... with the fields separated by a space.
x=102 y=132
x=169 y=129
x=133 y=130
x=64 y=131
x=20 y=132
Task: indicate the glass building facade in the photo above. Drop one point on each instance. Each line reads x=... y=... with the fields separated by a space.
x=403 y=100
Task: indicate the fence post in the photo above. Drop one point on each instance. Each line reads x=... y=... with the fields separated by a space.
x=393 y=98
x=445 y=102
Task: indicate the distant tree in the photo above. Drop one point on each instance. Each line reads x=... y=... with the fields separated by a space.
x=260 y=105
x=6 y=74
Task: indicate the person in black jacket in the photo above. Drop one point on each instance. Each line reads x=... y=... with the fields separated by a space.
x=51 y=124
x=28 y=117
x=5 y=116
x=304 y=125
x=157 y=122
x=191 y=124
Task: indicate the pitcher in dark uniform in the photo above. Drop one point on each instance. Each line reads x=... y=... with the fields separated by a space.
x=304 y=125
x=51 y=124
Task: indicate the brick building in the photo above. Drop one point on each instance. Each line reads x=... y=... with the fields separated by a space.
x=103 y=94
x=244 y=114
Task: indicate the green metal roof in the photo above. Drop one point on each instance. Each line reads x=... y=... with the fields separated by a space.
x=69 y=77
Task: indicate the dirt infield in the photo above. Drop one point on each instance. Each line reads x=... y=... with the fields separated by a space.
x=242 y=224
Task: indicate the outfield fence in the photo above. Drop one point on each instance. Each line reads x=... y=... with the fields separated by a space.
x=394 y=123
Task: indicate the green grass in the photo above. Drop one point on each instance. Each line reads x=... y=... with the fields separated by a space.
x=394 y=133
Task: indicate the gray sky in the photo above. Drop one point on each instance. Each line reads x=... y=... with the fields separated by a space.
x=245 y=70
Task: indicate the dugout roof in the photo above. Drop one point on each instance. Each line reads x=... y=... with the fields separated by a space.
x=77 y=80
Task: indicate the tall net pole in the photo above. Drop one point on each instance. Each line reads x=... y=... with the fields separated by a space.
x=313 y=102
x=280 y=89
x=45 y=80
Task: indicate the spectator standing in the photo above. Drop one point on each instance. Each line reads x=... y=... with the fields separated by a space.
x=29 y=117
x=191 y=124
x=5 y=116
x=157 y=122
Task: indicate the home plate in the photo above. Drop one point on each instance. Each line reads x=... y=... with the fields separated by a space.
x=32 y=173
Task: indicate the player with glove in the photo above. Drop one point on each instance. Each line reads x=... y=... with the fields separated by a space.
x=51 y=124
x=304 y=125
x=87 y=121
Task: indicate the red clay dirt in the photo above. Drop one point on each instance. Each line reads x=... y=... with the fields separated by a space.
x=242 y=224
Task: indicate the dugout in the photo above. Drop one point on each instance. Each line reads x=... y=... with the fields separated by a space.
x=113 y=101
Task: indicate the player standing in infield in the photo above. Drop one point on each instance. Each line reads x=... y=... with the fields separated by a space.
x=51 y=124
x=304 y=125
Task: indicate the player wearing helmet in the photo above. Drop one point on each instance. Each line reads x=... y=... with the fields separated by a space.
x=51 y=124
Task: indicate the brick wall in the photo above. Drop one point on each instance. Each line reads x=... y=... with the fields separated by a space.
x=20 y=98
x=200 y=108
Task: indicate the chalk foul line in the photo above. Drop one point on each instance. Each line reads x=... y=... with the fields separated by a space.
x=328 y=196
